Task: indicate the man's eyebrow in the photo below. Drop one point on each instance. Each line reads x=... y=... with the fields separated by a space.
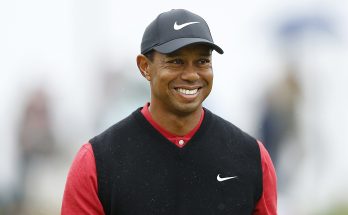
x=173 y=54
x=206 y=54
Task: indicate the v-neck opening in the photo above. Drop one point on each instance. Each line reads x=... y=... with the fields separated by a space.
x=161 y=139
x=179 y=141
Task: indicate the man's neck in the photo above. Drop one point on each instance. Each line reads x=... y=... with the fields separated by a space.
x=174 y=123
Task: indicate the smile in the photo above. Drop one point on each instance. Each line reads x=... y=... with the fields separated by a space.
x=186 y=91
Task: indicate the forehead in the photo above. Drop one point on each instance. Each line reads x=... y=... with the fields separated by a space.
x=195 y=49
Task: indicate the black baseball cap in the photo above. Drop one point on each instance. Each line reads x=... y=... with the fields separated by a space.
x=175 y=29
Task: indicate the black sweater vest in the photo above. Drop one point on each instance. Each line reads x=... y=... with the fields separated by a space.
x=141 y=172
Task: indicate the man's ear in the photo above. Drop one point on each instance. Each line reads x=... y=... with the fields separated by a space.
x=143 y=65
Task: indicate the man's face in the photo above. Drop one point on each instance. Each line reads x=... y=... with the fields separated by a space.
x=180 y=81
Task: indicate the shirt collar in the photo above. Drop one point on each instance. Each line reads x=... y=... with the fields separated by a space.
x=179 y=141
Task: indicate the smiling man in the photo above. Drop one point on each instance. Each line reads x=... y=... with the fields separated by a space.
x=172 y=156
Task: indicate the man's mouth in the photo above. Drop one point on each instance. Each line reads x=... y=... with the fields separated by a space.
x=187 y=91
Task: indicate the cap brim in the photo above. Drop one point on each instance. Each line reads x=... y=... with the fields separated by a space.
x=176 y=44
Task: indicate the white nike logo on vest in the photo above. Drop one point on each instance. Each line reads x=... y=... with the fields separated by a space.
x=224 y=179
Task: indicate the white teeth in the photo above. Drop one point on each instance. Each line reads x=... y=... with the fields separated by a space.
x=187 y=92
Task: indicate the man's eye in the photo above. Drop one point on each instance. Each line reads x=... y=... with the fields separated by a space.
x=203 y=61
x=176 y=61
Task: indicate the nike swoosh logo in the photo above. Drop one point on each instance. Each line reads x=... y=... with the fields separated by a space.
x=178 y=27
x=224 y=179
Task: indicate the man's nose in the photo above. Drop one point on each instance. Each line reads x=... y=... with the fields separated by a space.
x=190 y=73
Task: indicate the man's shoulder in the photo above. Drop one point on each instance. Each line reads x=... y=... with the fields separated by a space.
x=225 y=126
x=218 y=121
x=119 y=129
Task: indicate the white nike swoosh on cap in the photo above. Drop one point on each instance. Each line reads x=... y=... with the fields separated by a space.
x=224 y=179
x=178 y=27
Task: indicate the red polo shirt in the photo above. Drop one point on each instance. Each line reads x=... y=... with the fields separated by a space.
x=81 y=189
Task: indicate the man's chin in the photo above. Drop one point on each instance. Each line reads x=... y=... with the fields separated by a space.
x=185 y=109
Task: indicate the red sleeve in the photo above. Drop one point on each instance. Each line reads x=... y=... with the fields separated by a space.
x=267 y=205
x=81 y=188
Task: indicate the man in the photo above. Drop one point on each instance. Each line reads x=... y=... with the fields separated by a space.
x=173 y=156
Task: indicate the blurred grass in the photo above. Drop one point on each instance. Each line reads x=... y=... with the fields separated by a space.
x=338 y=210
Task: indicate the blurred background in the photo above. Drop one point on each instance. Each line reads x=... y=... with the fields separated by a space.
x=68 y=71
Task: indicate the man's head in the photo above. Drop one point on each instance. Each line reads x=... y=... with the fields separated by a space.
x=176 y=59
x=175 y=29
